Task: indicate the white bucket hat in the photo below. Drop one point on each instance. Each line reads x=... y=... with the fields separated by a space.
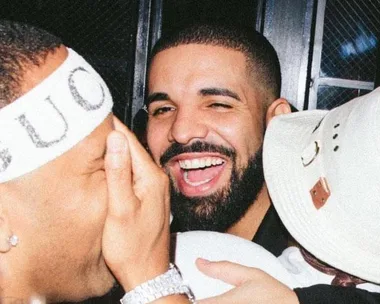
x=322 y=170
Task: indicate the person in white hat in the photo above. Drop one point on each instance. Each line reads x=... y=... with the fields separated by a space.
x=322 y=169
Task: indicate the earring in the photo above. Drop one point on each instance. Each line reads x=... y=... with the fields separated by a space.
x=13 y=240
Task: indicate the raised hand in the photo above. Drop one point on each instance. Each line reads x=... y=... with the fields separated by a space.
x=253 y=286
x=136 y=232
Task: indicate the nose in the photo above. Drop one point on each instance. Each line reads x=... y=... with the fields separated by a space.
x=187 y=127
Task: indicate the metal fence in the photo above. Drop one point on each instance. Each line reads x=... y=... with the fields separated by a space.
x=345 y=62
x=102 y=31
x=105 y=31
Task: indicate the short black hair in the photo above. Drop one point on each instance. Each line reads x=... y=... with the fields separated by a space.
x=21 y=45
x=261 y=57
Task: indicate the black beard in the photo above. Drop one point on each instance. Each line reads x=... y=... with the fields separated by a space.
x=219 y=211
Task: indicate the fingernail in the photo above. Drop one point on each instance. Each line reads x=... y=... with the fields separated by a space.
x=204 y=261
x=114 y=161
x=116 y=145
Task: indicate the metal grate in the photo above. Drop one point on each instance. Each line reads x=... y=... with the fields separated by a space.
x=103 y=31
x=331 y=97
x=350 y=39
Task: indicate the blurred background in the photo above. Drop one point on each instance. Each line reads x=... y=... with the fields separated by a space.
x=328 y=49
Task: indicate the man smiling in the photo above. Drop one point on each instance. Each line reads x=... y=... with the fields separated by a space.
x=206 y=127
x=212 y=90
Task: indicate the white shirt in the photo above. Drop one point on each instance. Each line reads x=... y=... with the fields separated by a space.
x=290 y=268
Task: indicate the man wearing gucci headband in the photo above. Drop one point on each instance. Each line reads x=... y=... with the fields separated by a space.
x=74 y=212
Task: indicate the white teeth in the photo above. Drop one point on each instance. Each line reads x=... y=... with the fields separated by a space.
x=194 y=184
x=198 y=163
x=187 y=164
x=217 y=161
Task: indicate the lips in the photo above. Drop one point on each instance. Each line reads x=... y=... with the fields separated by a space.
x=197 y=175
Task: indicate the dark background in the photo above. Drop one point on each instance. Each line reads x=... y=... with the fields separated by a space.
x=115 y=36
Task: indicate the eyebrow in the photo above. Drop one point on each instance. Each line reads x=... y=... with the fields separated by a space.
x=159 y=96
x=219 y=92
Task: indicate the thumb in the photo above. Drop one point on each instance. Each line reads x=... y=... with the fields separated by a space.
x=231 y=273
x=119 y=174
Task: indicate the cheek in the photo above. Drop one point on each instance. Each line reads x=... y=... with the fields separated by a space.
x=95 y=202
x=244 y=136
x=82 y=213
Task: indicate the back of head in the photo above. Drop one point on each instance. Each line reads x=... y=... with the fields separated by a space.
x=54 y=121
x=47 y=91
x=262 y=59
x=21 y=45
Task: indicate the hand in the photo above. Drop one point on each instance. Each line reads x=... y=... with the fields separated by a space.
x=253 y=286
x=136 y=231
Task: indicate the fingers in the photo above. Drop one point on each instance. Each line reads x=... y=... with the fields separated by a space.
x=150 y=183
x=118 y=172
x=147 y=176
x=136 y=147
x=214 y=300
x=141 y=160
x=228 y=272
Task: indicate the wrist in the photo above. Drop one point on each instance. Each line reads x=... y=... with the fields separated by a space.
x=174 y=299
x=132 y=276
x=169 y=283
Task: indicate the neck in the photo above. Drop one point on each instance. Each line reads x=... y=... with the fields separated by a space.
x=248 y=225
x=14 y=283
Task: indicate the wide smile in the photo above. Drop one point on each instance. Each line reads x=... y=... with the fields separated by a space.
x=198 y=174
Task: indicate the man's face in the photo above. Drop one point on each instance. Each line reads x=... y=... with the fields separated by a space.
x=58 y=211
x=206 y=128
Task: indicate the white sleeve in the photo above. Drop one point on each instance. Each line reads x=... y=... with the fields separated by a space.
x=216 y=246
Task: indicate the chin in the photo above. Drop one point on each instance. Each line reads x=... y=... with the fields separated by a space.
x=97 y=285
x=104 y=285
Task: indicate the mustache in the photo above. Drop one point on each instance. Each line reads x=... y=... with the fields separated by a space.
x=198 y=146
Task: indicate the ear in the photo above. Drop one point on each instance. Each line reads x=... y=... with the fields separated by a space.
x=278 y=107
x=5 y=232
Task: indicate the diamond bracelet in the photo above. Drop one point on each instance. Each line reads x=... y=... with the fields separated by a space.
x=168 y=283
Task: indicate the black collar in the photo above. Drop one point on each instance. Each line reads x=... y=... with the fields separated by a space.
x=272 y=234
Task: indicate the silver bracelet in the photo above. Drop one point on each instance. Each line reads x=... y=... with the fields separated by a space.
x=168 y=283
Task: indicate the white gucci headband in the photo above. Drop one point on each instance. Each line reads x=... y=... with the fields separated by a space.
x=52 y=117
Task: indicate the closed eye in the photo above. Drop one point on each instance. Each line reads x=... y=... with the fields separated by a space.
x=220 y=105
x=162 y=110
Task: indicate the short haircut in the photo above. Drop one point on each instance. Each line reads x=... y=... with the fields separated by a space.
x=262 y=59
x=21 y=45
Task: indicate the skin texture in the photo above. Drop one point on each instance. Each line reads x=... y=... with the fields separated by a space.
x=186 y=114
x=133 y=207
x=58 y=212
x=180 y=112
x=253 y=285
x=215 y=119
x=83 y=214
x=59 y=218
x=136 y=233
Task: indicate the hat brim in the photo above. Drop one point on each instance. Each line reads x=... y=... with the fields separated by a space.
x=314 y=229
